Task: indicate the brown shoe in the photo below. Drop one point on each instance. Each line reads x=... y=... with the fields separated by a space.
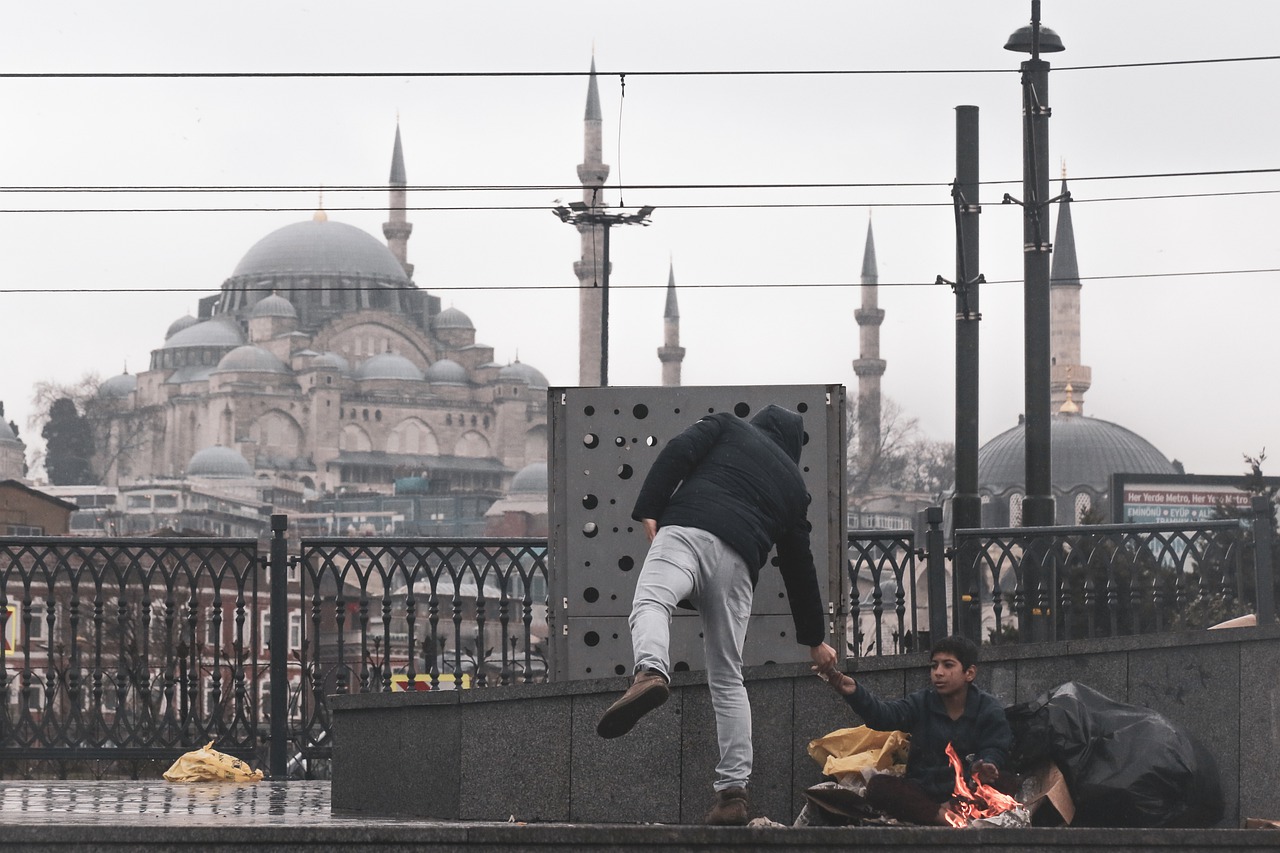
x=648 y=690
x=730 y=808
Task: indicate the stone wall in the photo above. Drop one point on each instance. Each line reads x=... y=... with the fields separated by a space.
x=531 y=751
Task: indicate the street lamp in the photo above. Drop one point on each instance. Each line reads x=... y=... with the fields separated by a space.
x=1037 y=505
x=579 y=213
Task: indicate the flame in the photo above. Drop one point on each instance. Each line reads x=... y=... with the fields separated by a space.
x=968 y=804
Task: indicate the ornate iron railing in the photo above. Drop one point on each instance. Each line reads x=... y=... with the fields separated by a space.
x=128 y=649
x=882 y=593
x=1038 y=584
x=411 y=614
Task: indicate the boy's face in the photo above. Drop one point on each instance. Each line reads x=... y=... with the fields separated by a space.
x=948 y=676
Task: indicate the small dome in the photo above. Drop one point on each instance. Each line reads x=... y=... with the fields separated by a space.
x=218 y=332
x=184 y=322
x=1085 y=451
x=526 y=373
x=118 y=386
x=6 y=433
x=447 y=372
x=219 y=463
x=274 y=305
x=452 y=318
x=331 y=361
x=249 y=358
x=388 y=365
x=531 y=479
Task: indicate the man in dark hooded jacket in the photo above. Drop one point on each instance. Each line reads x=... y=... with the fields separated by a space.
x=719 y=496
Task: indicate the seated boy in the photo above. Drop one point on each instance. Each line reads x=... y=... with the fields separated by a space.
x=952 y=711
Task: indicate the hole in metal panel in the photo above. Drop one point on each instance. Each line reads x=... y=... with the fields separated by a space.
x=591 y=595
x=625 y=472
x=640 y=411
x=589 y=529
x=626 y=563
x=742 y=410
x=590 y=501
x=591 y=638
x=590 y=441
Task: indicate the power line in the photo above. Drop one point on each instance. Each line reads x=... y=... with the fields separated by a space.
x=550 y=188
x=740 y=72
x=663 y=286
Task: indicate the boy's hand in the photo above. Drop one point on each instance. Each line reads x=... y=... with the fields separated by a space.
x=984 y=771
x=841 y=683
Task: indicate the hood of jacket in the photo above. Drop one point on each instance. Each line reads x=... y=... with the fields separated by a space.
x=784 y=426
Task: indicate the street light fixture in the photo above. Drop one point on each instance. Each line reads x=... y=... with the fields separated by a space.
x=578 y=214
x=1037 y=505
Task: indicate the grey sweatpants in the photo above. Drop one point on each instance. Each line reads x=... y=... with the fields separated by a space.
x=688 y=563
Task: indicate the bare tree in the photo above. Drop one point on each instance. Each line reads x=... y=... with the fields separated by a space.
x=904 y=459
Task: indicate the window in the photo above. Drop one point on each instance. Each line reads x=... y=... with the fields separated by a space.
x=1015 y=510
x=1083 y=505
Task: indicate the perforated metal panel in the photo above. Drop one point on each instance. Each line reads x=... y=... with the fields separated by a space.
x=603 y=442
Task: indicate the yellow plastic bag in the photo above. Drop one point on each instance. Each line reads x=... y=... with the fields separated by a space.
x=846 y=751
x=208 y=765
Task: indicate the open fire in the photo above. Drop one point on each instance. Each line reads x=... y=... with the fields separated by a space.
x=969 y=804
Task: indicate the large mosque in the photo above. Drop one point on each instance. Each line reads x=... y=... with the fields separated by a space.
x=321 y=363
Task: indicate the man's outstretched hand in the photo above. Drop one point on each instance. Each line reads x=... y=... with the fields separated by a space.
x=824 y=666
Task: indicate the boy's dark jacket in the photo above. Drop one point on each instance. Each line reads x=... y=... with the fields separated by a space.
x=982 y=731
x=740 y=481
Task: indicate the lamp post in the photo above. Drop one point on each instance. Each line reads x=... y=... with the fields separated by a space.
x=1037 y=505
x=579 y=213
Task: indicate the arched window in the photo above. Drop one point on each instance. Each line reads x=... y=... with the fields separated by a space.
x=1083 y=504
x=1015 y=510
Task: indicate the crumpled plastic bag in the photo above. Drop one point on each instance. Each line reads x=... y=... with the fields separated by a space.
x=847 y=751
x=208 y=765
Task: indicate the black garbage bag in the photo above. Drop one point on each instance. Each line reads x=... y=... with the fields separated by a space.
x=1124 y=765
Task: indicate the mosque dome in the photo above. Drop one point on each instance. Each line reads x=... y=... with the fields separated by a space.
x=332 y=361
x=1085 y=452
x=274 y=305
x=522 y=372
x=218 y=332
x=179 y=324
x=321 y=248
x=452 y=318
x=447 y=372
x=388 y=366
x=219 y=463
x=531 y=479
x=118 y=386
x=6 y=433
x=250 y=359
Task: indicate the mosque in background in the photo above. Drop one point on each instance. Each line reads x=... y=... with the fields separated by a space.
x=1086 y=451
x=322 y=374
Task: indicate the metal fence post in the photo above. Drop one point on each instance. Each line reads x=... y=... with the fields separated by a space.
x=936 y=567
x=278 y=569
x=1264 y=576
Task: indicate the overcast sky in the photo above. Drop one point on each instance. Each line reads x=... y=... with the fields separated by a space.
x=1187 y=361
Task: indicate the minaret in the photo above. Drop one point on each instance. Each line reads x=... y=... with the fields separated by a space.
x=590 y=270
x=869 y=366
x=671 y=353
x=1064 y=319
x=398 y=229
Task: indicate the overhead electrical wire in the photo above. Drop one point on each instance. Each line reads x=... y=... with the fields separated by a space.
x=663 y=286
x=741 y=72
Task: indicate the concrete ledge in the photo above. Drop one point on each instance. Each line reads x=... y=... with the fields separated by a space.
x=531 y=752
x=623 y=839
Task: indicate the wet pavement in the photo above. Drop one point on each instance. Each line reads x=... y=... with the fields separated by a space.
x=153 y=803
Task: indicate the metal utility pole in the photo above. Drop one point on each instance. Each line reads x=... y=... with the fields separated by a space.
x=1037 y=505
x=578 y=213
x=966 y=504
